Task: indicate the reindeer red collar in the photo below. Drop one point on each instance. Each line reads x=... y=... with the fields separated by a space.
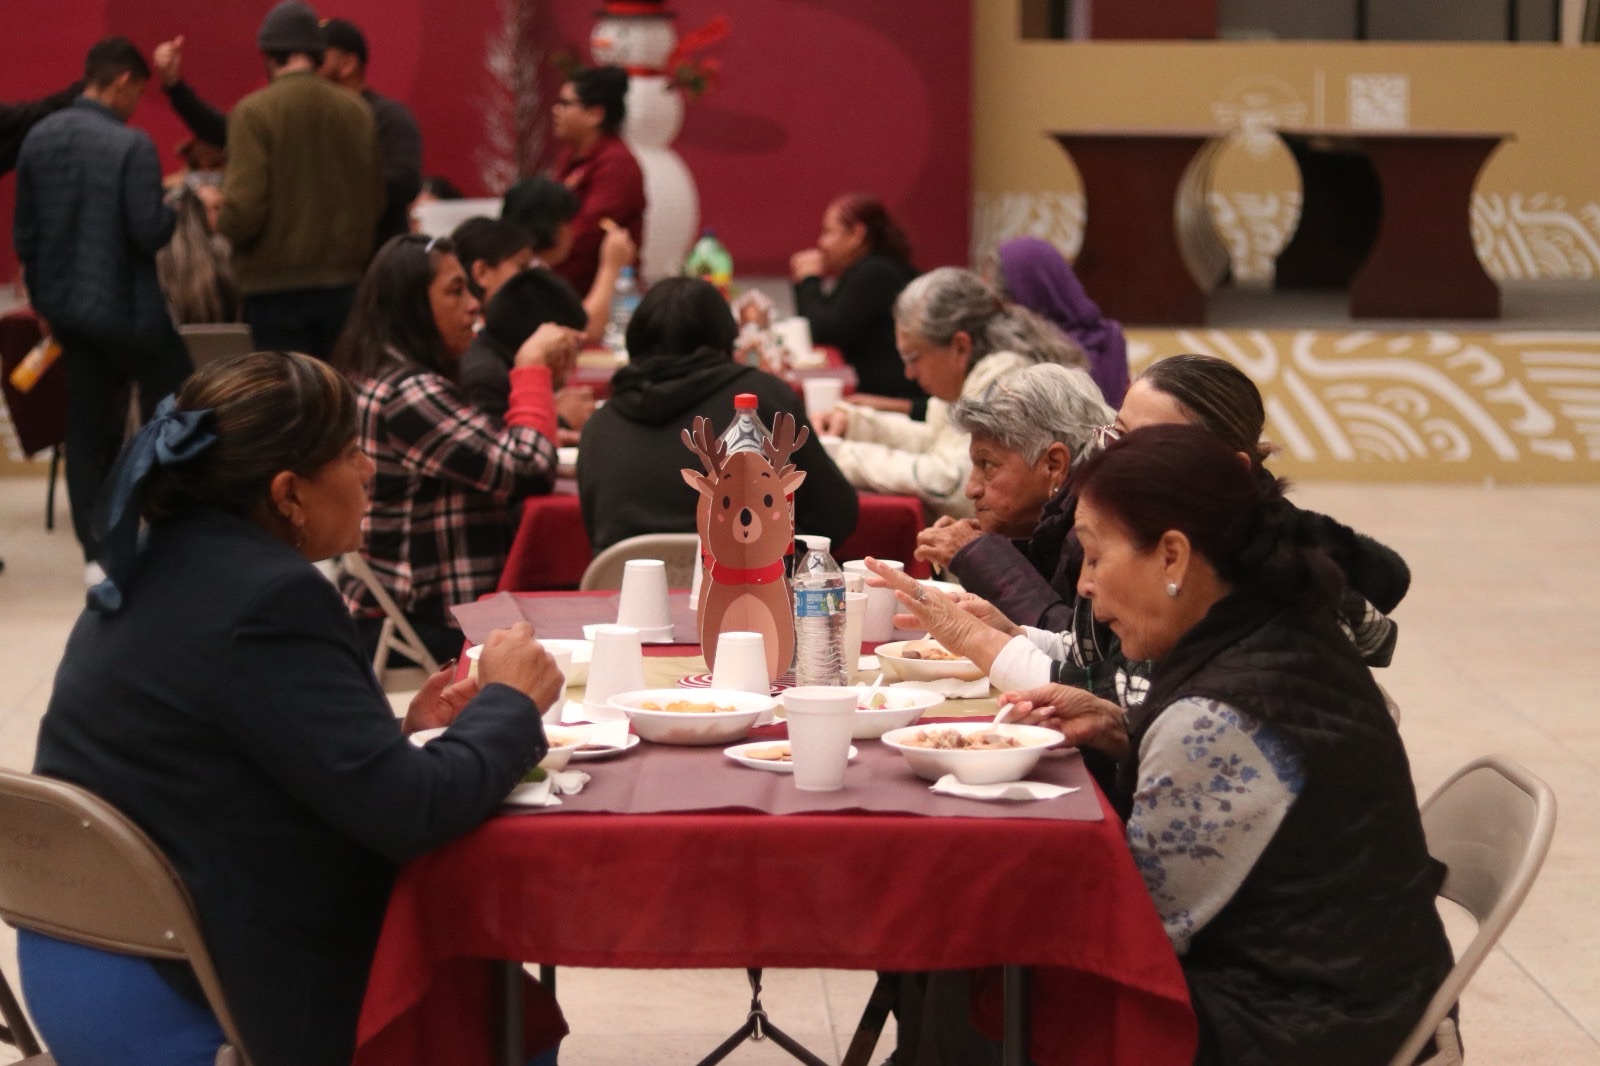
x=746 y=525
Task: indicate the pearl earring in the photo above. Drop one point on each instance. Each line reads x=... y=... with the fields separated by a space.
x=1172 y=589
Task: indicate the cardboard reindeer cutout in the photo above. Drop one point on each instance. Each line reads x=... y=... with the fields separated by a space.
x=746 y=526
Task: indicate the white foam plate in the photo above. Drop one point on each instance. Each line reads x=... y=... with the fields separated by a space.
x=738 y=754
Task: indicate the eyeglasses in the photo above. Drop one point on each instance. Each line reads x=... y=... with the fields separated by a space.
x=1104 y=435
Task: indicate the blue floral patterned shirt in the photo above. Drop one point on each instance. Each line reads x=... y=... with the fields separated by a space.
x=1213 y=788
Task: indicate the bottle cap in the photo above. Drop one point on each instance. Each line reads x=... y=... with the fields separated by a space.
x=746 y=401
x=816 y=544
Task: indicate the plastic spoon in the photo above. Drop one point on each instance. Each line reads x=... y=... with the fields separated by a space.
x=866 y=701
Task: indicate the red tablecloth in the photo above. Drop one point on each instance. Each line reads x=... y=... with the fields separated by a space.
x=732 y=890
x=551 y=549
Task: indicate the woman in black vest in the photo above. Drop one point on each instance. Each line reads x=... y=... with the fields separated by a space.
x=1267 y=795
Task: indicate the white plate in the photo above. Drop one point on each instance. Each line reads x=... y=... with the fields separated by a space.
x=655 y=635
x=737 y=754
x=949 y=588
x=605 y=753
x=566 y=462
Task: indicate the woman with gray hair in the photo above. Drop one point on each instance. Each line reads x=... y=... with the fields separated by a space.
x=1028 y=432
x=957 y=337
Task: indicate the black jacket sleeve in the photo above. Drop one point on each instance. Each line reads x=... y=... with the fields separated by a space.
x=486 y=379
x=338 y=752
x=845 y=317
x=203 y=120
x=17 y=119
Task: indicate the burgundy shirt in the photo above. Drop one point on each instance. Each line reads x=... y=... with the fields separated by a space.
x=608 y=184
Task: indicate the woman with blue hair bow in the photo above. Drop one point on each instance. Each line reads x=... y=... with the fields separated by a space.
x=214 y=692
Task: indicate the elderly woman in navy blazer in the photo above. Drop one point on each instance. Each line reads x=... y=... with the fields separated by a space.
x=215 y=693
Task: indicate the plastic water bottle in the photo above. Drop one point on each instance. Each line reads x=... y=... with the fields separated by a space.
x=746 y=433
x=624 y=302
x=818 y=616
x=710 y=260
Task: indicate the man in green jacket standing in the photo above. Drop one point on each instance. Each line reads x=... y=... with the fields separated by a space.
x=303 y=191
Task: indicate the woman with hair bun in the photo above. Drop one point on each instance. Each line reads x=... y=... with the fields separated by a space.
x=1265 y=790
x=1296 y=885
x=866 y=255
x=597 y=166
x=215 y=693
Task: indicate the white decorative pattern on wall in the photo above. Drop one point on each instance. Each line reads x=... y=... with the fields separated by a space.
x=1517 y=235
x=1421 y=403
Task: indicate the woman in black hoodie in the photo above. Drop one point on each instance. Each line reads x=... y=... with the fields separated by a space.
x=680 y=346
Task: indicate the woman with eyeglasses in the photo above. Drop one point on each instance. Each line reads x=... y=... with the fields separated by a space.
x=597 y=166
x=1020 y=616
x=956 y=337
x=439 y=523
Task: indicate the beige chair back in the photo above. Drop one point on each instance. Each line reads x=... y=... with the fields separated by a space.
x=78 y=870
x=680 y=551
x=1491 y=825
x=209 y=342
x=396 y=633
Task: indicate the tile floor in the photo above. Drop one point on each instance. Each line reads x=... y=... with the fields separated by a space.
x=1499 y=651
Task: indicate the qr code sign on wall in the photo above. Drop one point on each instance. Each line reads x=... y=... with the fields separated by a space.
x=1380 y=101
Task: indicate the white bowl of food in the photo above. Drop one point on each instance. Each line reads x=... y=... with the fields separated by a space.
x=978 y=753
x=692 y=716
x=890 y=708
x=562 y=745
x=925 y=660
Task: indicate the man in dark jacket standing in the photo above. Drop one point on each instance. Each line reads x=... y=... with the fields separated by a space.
x=89 y=222
x=399 y=139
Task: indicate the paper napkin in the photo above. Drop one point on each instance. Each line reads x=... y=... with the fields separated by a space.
x=1005 y=790
x=950 y=687
x=546 y=793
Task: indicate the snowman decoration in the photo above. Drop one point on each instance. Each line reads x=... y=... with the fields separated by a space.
x=639 y=36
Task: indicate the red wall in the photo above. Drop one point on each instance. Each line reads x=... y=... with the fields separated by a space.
x=816 y=97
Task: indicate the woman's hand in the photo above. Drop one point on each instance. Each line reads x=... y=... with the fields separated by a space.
x=939 y=614
x=836 y=423
x=1086 y=720
x=805 y=264
x=986 y=612
x=939 y=543
x=616 y=247
x=439 y=700
x=553 y=346
x=512 y=657
x=575 y=404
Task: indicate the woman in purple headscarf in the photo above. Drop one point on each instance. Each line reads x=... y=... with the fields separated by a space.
x=1033 y=274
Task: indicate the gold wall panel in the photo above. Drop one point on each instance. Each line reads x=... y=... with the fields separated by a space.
x=1424 y=405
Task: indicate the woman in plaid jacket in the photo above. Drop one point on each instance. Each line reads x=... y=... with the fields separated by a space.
x=448 y=475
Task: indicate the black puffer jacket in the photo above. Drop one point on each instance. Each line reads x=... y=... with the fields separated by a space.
x=1331 y=948
x=90 y=219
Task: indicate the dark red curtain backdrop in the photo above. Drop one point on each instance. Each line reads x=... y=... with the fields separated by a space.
x=816 y=97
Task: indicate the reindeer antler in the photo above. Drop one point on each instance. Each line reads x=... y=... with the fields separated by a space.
x=784 y=442
x=713 y=451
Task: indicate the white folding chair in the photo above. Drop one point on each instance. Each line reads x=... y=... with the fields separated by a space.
x=1490 y=824
x=396 y=633
x=680 y=551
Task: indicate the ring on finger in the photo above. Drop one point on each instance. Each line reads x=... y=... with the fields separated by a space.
x=920 y=595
